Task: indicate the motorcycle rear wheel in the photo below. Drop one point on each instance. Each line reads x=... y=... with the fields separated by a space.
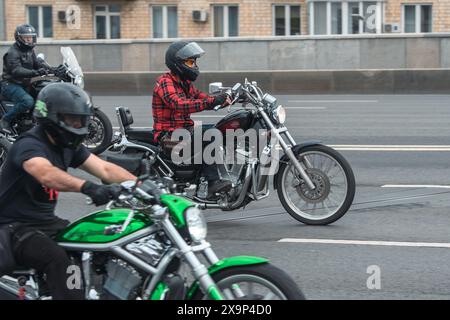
x=100 y=132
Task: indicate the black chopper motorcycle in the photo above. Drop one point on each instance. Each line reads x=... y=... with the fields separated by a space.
x=315 y=183
x=100 y=127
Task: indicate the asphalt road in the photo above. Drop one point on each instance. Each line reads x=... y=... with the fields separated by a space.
x=399 y=149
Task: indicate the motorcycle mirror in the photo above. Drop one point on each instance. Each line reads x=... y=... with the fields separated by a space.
x=215 y=87
x=41 y=56
x=236 y=88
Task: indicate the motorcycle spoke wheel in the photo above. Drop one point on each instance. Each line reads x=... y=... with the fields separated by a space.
x=96 y=133
x=331 y=183
x=254 y=282
x=249 y=287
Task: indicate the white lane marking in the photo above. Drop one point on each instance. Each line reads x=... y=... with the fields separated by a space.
x=414 y=186
x=369 y=243
x=149 y=128
x=307 y=108
x=367 y=147
x=334 y=101
x=391 y=147
x=212 y=116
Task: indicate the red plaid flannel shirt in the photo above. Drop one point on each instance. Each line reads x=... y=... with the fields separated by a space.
x=172 y=105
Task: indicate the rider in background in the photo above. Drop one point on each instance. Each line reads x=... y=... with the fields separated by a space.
x=175 y=97
x=20 y=64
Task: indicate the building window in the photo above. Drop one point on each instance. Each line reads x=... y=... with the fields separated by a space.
x=417 y=18
x=320 y=17
x=336 y=18
x=41 y=18
x=353 y=18
x=165 y=21
x=226 y=21
x=286 y=20
x=349 y=17
x=107 y=21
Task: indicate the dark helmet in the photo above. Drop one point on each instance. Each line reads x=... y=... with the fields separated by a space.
x=64 y=109
x=25 y=30
x=176 y=56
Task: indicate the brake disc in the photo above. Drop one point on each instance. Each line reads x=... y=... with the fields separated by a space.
x=321 y=182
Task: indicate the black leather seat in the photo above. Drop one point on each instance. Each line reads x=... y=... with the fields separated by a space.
x=130 y=162
x=141 y=135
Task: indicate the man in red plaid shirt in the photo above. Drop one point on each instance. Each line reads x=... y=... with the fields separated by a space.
x=175 y=98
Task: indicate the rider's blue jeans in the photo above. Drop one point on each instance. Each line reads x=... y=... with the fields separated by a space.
x=21 y=99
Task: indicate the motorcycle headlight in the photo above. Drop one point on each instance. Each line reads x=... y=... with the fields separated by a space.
x=279 y=114
x=196 y=223
x=79 y=81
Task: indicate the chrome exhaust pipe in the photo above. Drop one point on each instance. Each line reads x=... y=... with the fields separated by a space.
x=247 y=180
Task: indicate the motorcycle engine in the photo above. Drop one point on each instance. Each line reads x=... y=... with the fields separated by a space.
x=151 y=249
x=122 y=280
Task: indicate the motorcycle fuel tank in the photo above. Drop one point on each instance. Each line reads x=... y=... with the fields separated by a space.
x=242 y=119
x=91 y=229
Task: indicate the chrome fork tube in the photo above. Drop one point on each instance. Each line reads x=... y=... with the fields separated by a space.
x=287 y=149
x=199 y=271
x=86 y=258
x=290 y=138
x=209 y=254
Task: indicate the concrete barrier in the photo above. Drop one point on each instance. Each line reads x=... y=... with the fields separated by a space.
x=288 y=82
x=380 y=63
x=350 y=52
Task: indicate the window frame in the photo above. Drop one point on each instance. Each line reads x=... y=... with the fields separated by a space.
x=40 y=31
x=165 y=20
x=380 y=13
x=108 y=15
x=418 y=16
x=287 y=18
x=225 y=21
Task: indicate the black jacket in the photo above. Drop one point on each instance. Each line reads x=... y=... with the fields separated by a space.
x=19 y=66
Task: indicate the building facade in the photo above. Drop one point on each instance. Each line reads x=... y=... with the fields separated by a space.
x=2 y=20
x=147 y=19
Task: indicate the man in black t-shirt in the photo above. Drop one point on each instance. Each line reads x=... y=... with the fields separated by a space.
x=36 y=170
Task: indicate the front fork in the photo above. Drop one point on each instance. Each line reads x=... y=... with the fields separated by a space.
x=199 y=270
x=288 y=148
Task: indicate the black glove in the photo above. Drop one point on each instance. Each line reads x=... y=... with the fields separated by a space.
x=101 y=194
x=59 y=70
x=40 y=72
x=219 y=100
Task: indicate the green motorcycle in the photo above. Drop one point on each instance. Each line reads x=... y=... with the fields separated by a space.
x=139 y=247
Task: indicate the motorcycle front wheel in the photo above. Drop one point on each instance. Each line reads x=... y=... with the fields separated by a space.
x=254 y=282
x=334 y=181
x=5 y=145
x=100 y=132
